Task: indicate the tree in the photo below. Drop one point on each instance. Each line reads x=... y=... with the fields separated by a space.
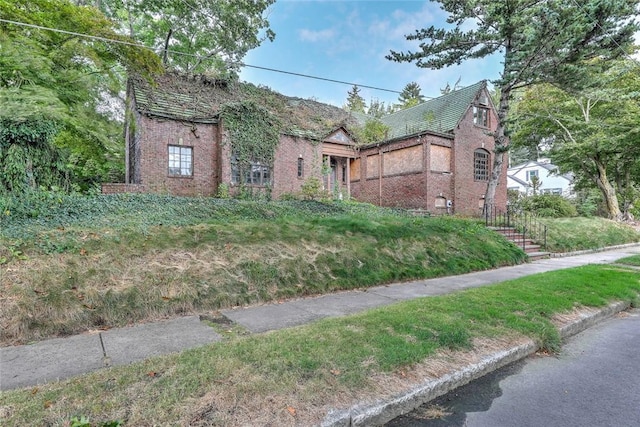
x=194 y=35
x=51 y=85
x=593 y=132
x=448 y=89
x=355 y=102
x=372 y=131
x=410 y=96
x=377 y=108
x=540 y=41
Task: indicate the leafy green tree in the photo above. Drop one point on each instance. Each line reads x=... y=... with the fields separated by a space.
x=372 y=131
x=594 y=132
x=540 y=41
x=410 y=96
x=194 y=35
x=355 y=101
x=51 y=87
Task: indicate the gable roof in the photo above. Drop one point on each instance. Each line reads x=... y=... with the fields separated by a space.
x=440 y=115
x=519 y=181
x=198 y=99
x=553 y=169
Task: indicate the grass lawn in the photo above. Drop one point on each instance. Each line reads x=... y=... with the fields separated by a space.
x=631 y=260
x=103 y=262
x=574 y=234
x=294 y=376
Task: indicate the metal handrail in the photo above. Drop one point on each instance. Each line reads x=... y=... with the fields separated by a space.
x=517 y=226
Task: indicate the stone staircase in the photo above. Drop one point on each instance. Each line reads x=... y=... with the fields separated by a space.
x=533 y=250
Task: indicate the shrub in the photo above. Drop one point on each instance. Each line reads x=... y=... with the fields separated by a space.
x=312 y=189
x=549 y=205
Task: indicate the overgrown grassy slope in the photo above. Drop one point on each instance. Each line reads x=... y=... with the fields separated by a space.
x=296 y=376
x=72 y=264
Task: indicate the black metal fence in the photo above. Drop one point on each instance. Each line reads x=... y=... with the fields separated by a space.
x=517 y=226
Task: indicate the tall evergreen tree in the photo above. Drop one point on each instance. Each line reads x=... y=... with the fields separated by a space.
x=355 y=101
x=410 y=96
x=541 y=41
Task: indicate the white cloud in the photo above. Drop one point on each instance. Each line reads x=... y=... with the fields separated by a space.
x=316 y=36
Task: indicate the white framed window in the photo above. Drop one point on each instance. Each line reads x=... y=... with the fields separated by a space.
x=532 y=173
x=180 y=160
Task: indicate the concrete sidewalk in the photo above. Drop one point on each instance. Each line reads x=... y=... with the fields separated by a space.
x=60 y=358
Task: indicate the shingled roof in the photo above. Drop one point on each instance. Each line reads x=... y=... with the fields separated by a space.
x=440 y=115
x=198 y=99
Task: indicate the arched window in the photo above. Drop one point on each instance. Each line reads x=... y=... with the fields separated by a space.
x=481 y=165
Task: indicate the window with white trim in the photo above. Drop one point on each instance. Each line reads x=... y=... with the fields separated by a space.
x=180 y=160
x=532 y=173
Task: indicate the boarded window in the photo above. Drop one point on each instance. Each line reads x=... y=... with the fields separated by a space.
x=355 y=169
x=405 y=160
x=440 y=158
x=373 y=166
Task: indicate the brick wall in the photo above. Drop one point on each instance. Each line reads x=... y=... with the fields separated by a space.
x=155 y=136
x=117 y=188
x=285 y=168
x=418 y=188
x=469 y=193
x=436 y=182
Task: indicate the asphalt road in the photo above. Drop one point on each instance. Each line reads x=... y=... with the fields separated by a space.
x=594 y=381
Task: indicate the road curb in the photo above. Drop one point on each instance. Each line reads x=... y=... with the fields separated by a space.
x=378 y=413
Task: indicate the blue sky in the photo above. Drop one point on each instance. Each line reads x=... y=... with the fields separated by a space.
x=348 y=41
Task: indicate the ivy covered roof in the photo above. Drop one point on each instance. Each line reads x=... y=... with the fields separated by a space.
x=199 y=99
x=440 y=115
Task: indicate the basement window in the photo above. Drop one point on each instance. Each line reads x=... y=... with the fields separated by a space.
x=180 y=160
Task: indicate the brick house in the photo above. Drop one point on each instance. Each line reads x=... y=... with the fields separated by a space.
x=436 y=156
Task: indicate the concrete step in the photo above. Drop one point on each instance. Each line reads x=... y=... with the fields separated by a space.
x=538 y=255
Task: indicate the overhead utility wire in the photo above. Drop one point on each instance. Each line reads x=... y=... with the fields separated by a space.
x=242 y=64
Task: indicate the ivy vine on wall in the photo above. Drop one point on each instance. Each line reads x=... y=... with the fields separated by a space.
x=254 y=132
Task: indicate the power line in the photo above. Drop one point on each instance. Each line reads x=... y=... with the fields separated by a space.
x=242 y=64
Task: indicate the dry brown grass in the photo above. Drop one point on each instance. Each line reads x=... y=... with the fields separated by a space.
x=49 y=295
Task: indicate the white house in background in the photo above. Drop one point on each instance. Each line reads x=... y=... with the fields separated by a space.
x=551 y=181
